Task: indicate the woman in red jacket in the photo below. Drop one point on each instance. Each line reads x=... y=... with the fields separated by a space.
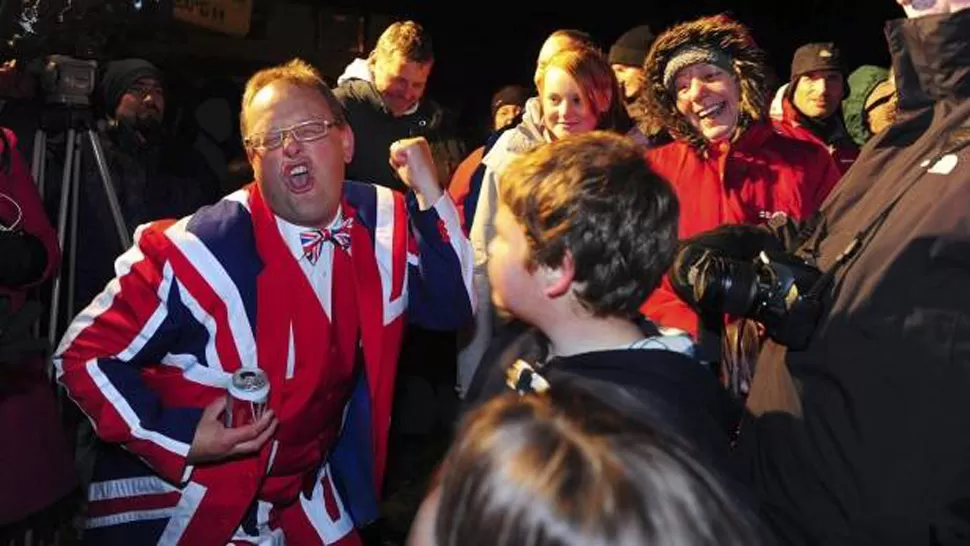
x=706 y=85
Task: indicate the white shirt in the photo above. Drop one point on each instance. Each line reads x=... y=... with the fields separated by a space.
x=320 y=274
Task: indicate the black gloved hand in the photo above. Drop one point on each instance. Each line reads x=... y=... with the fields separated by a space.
x=16 y=337
x=737 y=242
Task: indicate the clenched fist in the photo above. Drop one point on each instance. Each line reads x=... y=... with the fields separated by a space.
x=918 y=8
x=411 y=159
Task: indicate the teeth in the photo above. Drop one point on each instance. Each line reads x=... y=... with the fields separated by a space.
x=709 y=111
x=298 y=170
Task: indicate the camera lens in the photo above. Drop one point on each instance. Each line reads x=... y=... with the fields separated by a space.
x=727 y=285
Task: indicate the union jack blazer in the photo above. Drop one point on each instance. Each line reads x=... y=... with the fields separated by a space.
x=190 y=305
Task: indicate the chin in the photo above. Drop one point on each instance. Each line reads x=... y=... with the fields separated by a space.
x=716 y=135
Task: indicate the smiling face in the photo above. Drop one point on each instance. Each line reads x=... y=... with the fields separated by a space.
x=302 y=182
x=566 y=110
x=710 y=98
x=818 y=94
x=400 y=82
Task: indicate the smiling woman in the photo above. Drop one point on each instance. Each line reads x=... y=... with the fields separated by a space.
x=706 y=85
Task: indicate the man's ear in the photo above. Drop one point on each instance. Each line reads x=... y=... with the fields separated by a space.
x=557 y=280
x=347 y=142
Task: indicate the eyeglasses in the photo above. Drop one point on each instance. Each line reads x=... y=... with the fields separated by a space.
x=306 y=131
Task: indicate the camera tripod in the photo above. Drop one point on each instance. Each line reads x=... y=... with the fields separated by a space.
x=78 y=124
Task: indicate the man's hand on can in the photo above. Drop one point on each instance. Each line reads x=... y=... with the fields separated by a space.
x=214 y=442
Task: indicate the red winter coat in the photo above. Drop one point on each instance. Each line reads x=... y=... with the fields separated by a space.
x=36 y=460
x=758 y=175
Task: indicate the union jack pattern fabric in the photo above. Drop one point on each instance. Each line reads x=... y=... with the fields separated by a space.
x=314 y=239
x=160 y=342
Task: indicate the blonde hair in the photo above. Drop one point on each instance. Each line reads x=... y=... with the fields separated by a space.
x=407 y=39
x=294 y=72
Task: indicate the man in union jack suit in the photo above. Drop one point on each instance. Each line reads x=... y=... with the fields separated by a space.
x=301 y=274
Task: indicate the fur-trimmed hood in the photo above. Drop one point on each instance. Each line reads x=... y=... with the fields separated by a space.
x=716 y=32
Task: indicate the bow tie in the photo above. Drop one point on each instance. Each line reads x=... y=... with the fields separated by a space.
x=313 y=240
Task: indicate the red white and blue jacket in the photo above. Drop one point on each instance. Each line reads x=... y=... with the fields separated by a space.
x=161 y=341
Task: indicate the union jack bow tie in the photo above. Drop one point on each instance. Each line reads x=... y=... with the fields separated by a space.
x=313 y=240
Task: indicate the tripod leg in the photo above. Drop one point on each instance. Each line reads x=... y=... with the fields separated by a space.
x=75 y=197
x=37 y=164
x=109 y=190
x=61 y=229
x=37 y=171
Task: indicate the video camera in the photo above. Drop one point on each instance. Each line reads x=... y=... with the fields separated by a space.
x=68 y=81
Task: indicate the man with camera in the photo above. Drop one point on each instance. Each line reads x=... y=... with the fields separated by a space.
x=860 y=436
x=152 y=176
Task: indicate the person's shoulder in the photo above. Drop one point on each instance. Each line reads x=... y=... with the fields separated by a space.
x=225 y=223
x=355 y=92
x=787 y=140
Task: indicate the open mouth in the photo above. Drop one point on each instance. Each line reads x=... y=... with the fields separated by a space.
x=712 y=111
x=297 y=177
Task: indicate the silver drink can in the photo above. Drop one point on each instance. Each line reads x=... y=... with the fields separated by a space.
x=248 y=394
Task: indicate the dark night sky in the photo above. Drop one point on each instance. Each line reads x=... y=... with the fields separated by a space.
x=480 y=47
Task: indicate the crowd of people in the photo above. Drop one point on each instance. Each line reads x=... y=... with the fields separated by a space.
x=662 y=303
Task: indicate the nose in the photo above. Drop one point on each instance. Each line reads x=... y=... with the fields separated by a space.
x=697 y=90
x=291 y=146
x=565 y=108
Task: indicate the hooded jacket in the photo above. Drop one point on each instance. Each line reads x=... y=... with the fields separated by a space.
x=862 y=82
x=375 y=129
x=514 y=142
x=830 y=133
x=746 y=181
x=880 y=454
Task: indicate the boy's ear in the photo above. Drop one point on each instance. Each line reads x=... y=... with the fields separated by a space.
x=558 y=280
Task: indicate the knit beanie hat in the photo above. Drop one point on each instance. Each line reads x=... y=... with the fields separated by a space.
x=632 y=46
x=690 y=55
x=510 y=94
x=120 y=75
x=814 y=57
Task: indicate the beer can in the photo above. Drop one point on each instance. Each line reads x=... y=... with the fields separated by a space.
x=248 y=394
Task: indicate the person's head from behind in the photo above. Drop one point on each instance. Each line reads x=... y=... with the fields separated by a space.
x=133 y=95
x=817 y=84
x=584 y=228
x=564 y=468
x=880 y=107
x=560 y=40
x=870 y=106
x=578 y=93
x=297 y=141
x=401 y=64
